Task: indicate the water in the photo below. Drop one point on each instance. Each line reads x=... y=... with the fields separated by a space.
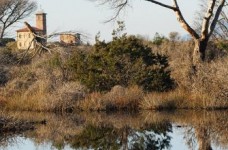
x=180 y=130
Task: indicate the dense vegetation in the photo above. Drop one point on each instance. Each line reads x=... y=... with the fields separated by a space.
x=127 y=73
x=125 y=61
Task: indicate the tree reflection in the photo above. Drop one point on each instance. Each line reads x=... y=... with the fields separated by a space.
x=203 y=137
x=147 y=130
x=154 y=136
x=97 y=137
x=106 y=136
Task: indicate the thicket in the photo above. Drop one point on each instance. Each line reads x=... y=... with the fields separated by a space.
x=124 y=61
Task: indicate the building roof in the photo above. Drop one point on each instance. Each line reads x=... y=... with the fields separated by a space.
x=27 y=30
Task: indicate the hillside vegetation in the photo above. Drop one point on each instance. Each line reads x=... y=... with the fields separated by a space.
x=127 y=73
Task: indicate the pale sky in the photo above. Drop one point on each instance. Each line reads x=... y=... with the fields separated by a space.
x=88 y=17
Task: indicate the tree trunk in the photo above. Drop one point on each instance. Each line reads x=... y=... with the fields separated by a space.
x=199 y=52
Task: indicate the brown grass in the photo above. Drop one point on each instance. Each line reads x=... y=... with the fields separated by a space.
x=40 y=99
x=40 y=86
x=118 y=98
x=169 y=100
x=93 y=101
x=212 y=80
x=181 y=99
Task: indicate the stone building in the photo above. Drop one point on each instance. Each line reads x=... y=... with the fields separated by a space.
x=70 y=39
x=25 y=37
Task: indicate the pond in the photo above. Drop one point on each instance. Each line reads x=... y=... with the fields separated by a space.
x=149 y=130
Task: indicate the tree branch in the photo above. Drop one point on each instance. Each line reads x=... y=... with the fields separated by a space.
x=12 y=11
x=217 y=14
x=119 y=7
x=179 y=16
x=162 y=4
x=206 y=19
x=183 y=22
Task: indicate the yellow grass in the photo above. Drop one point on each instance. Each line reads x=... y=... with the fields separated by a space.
x=117 y=99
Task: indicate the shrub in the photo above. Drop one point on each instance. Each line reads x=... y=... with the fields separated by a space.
x=158 y=39
x=4 y=41
x=7 y=60
x=124 y=61
x=7 y=57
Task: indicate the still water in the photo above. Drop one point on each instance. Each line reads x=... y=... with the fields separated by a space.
x=147 y=130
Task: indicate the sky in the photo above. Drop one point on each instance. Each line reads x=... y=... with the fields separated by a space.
x=88 y=17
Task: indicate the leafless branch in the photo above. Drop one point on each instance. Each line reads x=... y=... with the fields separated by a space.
x=206 y=19
x=183 y=22
x=162 y=4
x=11 y=11
x=217 y=14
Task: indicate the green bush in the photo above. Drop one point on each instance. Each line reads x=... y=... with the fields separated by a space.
x=124 y=61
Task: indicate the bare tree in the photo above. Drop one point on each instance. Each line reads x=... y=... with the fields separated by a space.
x=12 y=11
x=221 y=29
x=210 y=19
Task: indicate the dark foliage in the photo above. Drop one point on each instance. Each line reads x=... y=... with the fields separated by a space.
x=124 y=61
x=4 y=41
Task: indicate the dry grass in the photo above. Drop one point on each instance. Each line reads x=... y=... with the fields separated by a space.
x=211 y=77
x=93 y=101
x=118 y=98
x=40 y=86
x=207 y=89
x=39 y=98
x=181 y=99
x=212 y=80
x=169 y=100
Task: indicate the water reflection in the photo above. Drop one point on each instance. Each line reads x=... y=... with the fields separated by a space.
x=106 y=136
x=203 y=130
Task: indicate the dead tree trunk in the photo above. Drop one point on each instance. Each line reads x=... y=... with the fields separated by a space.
x=199 y=52
x=214 y=9
x=200 y=40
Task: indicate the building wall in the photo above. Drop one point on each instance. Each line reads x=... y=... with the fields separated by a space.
x=41 y=22
x=24 y=39
x=68 y=39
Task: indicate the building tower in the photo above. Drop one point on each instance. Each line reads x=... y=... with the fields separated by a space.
x=41 y=22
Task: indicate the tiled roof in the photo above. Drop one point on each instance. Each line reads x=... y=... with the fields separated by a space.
x=27 y=30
